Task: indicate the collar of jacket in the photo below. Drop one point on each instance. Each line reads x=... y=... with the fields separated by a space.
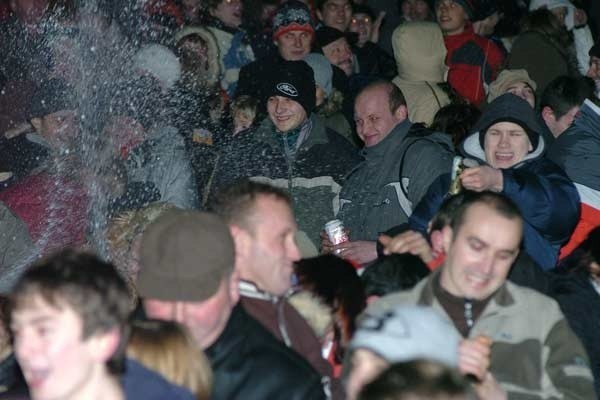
x=391 y=141
x=249 y=289
x=317 y=134
x=501 y=298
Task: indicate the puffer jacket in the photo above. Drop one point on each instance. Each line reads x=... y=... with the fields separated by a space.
x=551 y=361
x=544 y=194
x=420 y=58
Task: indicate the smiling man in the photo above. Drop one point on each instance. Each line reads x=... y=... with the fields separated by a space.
x=293 y=149
x=499 y=319
x=506 y=141
x=379 y=193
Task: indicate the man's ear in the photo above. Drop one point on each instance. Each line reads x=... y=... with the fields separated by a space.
x=437 y=242
x=447 y=237
x=241 y=240
x=234 y=286
x=37 y=124
x=401 y=113
x=104 y=345
x=547 y=114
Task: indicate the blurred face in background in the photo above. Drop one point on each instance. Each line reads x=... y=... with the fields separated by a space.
x=363 y=25
x=451 y=17
x=336 y=14
x=229 y=12
x=416 y=10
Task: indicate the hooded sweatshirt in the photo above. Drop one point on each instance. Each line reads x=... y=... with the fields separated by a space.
x=420 y=56
x=545 y=196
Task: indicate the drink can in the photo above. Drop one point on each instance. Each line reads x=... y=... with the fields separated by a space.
x=335 y=232
x=457 y=168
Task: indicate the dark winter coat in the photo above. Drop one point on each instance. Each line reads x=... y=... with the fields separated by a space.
x=313 y=176
x=249 y=363
x=543 y=193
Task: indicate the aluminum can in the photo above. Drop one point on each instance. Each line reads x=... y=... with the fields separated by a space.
x=335 y=232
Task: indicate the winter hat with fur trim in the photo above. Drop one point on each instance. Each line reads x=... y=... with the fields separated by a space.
x=160 y=62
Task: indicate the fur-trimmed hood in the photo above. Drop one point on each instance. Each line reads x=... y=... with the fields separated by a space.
x=214 y=69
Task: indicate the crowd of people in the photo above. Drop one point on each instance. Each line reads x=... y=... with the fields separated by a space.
x=169 y=170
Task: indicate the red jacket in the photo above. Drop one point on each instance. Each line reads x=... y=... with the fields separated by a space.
x=53 y=208
x=472 y=61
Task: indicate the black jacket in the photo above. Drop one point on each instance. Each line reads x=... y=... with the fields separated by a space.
x=249 y=363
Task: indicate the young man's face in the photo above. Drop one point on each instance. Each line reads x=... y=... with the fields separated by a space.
x=58 y=128
x=506 y=144
x=363 y=25
x=594 y=70
x=336 y=14
x=286 y=114
x=479 y=255
x=451 y=17
x=524 y=91
x=56 y=361
x=294 y=45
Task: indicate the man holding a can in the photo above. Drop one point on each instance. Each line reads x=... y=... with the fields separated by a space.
x=517 y=343
x=401 y=160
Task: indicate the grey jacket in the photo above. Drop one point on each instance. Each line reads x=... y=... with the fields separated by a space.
x=535 y=354
x=162 y=159
x=373 y=200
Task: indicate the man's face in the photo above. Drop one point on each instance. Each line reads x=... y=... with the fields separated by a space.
x=56 y=361
x=558 y=125
x=364 y=367
x=524 y=91
x=415 y=10
x=374 y=119
x=363 y=25
x=480 y=254
x=336 y=14
x=58 y=128
x=29 y=11
x=294 y=45
x=594 y=71
x=451 y=17
x=506 y=144
x=285 y=113
x=204 y=319
x=560 y=13
x=272 y=248
x=339 y=54
x=229 y=12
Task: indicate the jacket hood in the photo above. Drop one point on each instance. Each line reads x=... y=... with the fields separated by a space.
x=506 y=108
x=214 y=69
x=550 y=4
x=420 y=52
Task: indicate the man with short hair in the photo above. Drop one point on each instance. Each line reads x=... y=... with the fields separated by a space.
x=187 y=275
x=334 y=13
x=473 y=60
x=398 y=167
x=292 y=149
x=560 y=104
x=471 y=289
x=262 y=224
x=293 y=35
x=68 y=319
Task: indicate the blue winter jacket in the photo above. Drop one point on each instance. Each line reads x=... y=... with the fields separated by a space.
x=541 y=190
